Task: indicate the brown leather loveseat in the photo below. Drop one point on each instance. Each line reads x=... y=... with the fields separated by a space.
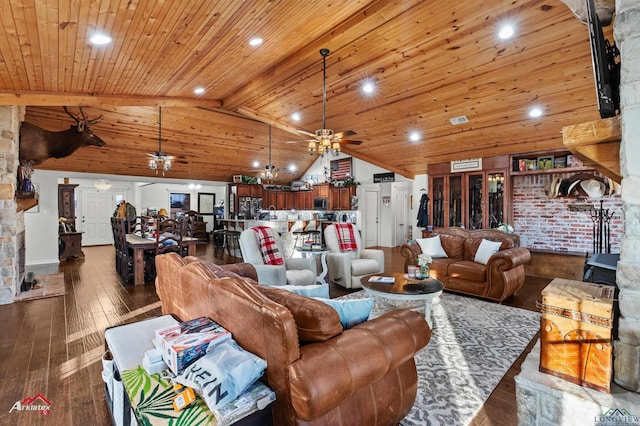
x=501 y=277
x=321 y=374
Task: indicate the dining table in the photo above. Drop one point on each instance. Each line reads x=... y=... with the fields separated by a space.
x=139 y=244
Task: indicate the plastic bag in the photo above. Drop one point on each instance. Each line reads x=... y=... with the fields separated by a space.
x=220 y=376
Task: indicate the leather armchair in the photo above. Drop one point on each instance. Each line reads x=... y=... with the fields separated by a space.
x=295 y=271
x=324 y=381
x=347 y=268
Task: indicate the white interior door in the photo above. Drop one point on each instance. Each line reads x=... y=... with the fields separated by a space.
x=371 y=216
x=96 y=209
x=401 y=208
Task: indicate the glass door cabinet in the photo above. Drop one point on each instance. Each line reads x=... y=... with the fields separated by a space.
x=473 y=200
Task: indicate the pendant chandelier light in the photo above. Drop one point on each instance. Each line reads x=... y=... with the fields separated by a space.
x=160 y=160
x=102 y=184
x=271 y=173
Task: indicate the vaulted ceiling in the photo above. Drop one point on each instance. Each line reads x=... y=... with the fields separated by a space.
x=431 y=61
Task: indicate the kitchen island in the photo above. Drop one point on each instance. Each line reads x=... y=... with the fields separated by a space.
x=285 y=228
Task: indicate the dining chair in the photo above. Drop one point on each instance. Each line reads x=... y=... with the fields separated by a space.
x=124 y=255
x=168 y=239
x=136 y=225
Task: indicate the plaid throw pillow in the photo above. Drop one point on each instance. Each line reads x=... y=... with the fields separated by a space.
x=268 y=246
x=346 y=237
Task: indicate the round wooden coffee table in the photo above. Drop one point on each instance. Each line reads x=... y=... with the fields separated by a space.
x=403 y=288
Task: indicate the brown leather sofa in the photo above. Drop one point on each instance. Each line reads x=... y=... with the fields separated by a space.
x=321 y=374
x=501 y=277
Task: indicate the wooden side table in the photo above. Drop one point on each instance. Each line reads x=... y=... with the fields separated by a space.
x=70 y=245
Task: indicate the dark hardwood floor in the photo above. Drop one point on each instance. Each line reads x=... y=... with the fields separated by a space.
x=53 y=346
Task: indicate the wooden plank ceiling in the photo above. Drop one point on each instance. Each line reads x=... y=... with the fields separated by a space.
x=431 y=61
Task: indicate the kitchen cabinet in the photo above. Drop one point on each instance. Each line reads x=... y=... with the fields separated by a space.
x=321 y=190
x=340 y=197
x=473 y=199
x=307 y=197
x=280 y=200
x=248 y=190
x=303 y=200
x=268 y=198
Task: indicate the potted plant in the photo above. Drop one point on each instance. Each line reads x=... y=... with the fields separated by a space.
x=350 y=182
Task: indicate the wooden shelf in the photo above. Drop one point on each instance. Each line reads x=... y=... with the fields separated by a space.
x=597 y=145
x=25 y=203
x=556 y=170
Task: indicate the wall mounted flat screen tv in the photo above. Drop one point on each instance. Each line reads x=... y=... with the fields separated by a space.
x=606 y=69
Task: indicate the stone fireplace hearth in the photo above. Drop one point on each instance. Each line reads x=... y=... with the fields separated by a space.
x=544 y=399
x=12 y=237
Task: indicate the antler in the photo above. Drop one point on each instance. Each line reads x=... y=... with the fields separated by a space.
x=93 y=120
x=85 y=121
x=71 y=115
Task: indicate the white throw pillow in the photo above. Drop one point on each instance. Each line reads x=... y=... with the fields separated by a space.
x=486 y=250
x=432 y=246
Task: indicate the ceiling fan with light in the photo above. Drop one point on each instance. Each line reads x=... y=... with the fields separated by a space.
x=160 y=159
x=325 y=140
x=270 y=173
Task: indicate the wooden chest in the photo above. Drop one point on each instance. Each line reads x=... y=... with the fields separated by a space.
x=576 y=332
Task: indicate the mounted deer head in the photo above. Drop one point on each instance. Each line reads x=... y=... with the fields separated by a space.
x=36 y=144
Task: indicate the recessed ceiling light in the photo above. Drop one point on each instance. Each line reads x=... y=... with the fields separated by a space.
x=256 y=41
x=368 y=87
x=414 y=136
x=535 y=112
x=256 y=163
x=506 y=31
x=100 y=39
x=198 y=90
x=459 y=120
x=295 y=116
x=292 y=168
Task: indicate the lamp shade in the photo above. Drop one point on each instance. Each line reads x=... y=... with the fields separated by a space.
x=163 y=212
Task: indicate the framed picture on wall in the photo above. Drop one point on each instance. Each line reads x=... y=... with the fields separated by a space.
x=206 y=202
x=545 y=162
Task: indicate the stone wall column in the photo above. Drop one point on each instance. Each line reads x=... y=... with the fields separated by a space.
x=11 y=221
x=627 y=346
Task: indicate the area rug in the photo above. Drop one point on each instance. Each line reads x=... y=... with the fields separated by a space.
x=473 y=344
x=45 y=286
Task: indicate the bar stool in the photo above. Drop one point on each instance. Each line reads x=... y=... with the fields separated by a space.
x=298 y=230
x=313 y=233
x=218 y=242
x=315 y=236
x=232 y=241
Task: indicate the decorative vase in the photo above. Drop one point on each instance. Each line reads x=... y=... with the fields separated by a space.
x=424 y=272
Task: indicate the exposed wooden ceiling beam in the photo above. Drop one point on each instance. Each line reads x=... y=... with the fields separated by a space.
x=57 y=99
x=255 y=115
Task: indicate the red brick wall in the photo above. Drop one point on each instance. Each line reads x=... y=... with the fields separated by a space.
x=548 y=223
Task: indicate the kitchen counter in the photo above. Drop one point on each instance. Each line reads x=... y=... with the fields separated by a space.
x=283 y=226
